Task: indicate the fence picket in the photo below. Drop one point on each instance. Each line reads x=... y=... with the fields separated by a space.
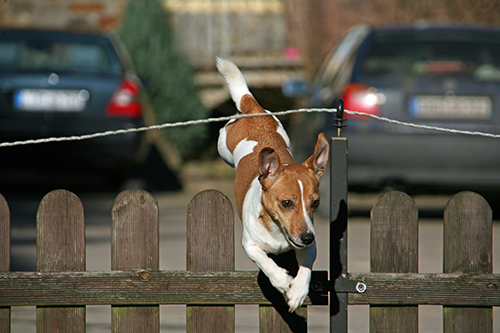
x=135 y=245
x=276 y=317
x=394 y=249
x=210 y=246
x=4 y=257
x=467 y=249
x=60 y=247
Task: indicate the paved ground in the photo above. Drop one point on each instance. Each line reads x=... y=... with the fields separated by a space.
x=173 y=208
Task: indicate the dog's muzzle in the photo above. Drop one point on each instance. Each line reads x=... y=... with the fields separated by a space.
x=307 y=238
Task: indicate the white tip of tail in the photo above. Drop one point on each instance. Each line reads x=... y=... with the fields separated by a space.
x=235 y=80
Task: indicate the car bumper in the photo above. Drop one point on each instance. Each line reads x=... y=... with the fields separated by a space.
x=446 y=162
x=120 y=151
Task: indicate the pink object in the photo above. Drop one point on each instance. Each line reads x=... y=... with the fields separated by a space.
x=291 y=53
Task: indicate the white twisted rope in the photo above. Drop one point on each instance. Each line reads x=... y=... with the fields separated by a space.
x=238 y=116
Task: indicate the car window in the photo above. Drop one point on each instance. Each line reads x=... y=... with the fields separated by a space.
x=341 y=54
x=8 y=54
x=336 y=70
x=36 y=55
x=479 y=59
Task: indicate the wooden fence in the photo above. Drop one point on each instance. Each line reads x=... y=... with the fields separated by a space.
x=467 y=288
x=210 y=287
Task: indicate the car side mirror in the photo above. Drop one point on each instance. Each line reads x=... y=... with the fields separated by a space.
x=295 y=88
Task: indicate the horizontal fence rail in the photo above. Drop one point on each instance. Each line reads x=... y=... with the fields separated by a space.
x=428 y=289
x=140 y=287
x=236 y=287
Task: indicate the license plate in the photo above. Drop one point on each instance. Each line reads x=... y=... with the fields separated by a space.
x=51 y=100
x=450 y=107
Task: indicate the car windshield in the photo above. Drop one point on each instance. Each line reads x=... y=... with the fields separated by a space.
x=50 y=55
x=410 y=56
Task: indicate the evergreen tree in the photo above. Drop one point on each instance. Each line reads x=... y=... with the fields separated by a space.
x=151 y=43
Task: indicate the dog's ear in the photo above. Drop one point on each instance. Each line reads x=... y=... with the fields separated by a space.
x=317 y=162
x=270 y=167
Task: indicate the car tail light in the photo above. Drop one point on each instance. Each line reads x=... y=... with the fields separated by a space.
x=363 y=98
x=125 y=100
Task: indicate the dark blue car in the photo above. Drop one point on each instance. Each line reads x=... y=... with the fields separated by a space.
x=438 y=75
x=61 y=83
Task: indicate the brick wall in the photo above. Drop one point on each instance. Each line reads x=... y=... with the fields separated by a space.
x=73 y=14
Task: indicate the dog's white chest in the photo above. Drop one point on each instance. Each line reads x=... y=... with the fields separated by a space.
x=254 y=233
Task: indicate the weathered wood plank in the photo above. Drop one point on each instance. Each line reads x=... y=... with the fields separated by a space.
x=60 y=247
x=4 y=257
x=135 y=231
x=276 y=317
x=210 y=246
x=210 y=232
x=429 y=289
x=467 y=249
x=233 y=287
x=394 y=249
x=135 y=245
x=272 y=321
x=60 y=233
x=394 y=234
x=134 y=287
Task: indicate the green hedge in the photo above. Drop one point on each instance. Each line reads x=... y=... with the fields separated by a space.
x=151 y=43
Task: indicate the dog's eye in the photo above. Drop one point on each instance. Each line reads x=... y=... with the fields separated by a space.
x=315 y=204
x=287 y=204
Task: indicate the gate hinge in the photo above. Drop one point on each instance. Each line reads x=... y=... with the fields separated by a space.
x=321 y=285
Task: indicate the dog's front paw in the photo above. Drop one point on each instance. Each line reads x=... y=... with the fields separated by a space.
x=281 y=280
x=298 y=291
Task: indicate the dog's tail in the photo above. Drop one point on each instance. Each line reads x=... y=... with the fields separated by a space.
x=237 y=85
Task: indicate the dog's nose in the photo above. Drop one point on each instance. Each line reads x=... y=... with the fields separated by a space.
x=307 y=238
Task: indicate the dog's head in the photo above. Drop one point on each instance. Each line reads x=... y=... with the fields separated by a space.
x=290 y=192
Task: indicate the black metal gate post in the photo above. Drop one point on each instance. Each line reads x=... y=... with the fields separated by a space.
x=338 y=227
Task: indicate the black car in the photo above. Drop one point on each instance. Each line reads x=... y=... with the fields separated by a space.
x=62 y=83
x=438 y=75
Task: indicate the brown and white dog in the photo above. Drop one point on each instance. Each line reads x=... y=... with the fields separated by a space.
x=274 y=196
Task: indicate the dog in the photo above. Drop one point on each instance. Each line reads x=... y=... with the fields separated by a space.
x=274 y=196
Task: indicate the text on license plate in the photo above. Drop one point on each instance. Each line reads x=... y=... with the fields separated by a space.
x=457 y=107
x=50 y=100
